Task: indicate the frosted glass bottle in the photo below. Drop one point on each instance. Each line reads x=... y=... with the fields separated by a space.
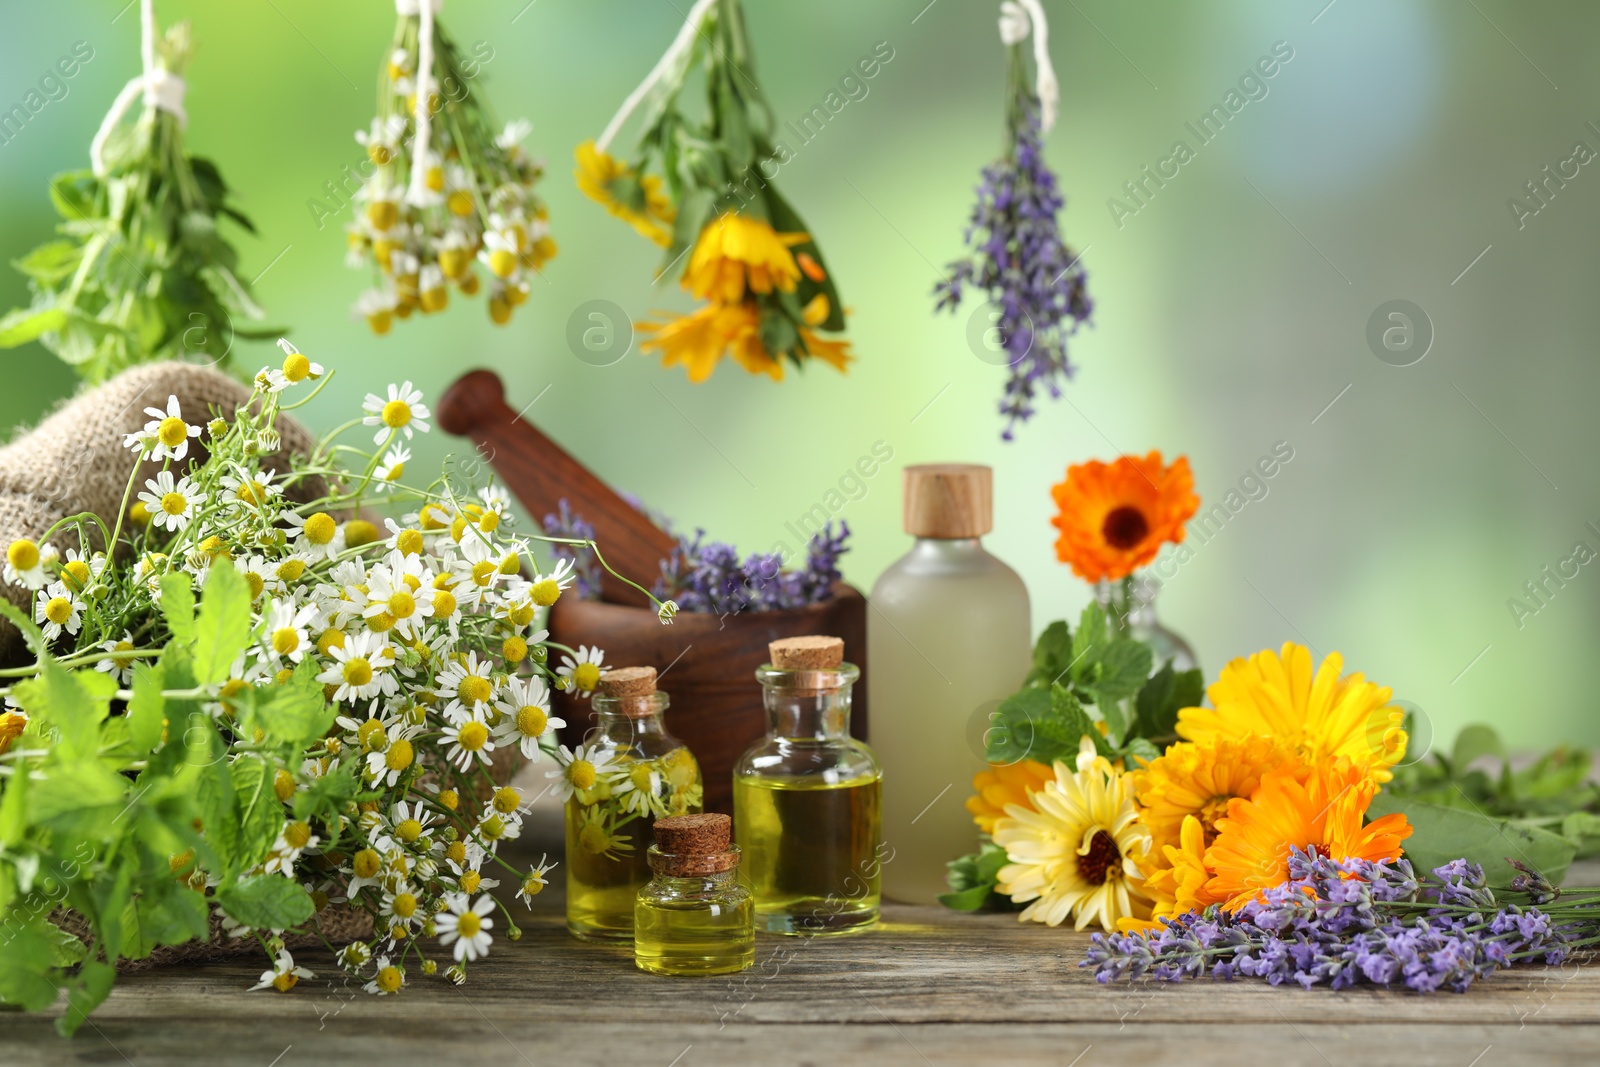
x=948 y=634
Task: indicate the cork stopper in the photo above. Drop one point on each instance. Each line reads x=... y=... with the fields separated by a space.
x=948 y=500
x=814 y=653
x=688 y=845
x=633 y=688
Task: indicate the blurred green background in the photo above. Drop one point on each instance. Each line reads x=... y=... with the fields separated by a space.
x=1231 y=308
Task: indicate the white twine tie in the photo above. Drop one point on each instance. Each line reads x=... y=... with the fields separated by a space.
x=673 y=60
x=1017 y=18
x=159 y=88
x=425 y=10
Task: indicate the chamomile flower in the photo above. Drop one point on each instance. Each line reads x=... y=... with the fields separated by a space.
x=466 y=925
x=393 y=595
x=385 y=765
x=478 y=568
x=287 y=634
x=511 y=138
x=360 y=668
x=319 y=536
x=382 y=139
x=378 y=306
x=296 y=368
x=401 y=909
x=172 y=502
x=79 y=574
x=582 y=674
x=118 y=664
x=525 y=715
x=409 y=824
x=469 y=685
x=355 y=956
x=501 y=252
x=547 y=588
x=392 y=469
x=638 y=789
x=403 y=412
x=579 y=769
x=284 y=974
x=467 y=742
x=166 y=436
x=25 y=564
x=293 y=839
x=390 y=978
x=366 y=868
x=57 y=608
x=249 y=491
x=535 y=882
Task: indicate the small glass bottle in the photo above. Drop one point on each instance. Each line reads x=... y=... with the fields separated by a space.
x=806 y=799
x=643 y=773
x=694 y=918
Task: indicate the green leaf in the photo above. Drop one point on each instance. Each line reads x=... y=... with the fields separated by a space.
x=1052 y=655
x=177 y=606
x=169 y=913
x=1441 y=834
x=25 y=964
x=52 y=262
x=1124 y=668
x=295 y=712
x=29 y=324
x=1582 y=828
x=266 y=902
x=1044 y=726
x=1092 y=637
x=86 y=993
x=222 y=629
x=260 y=813
x=328 y=794
x=1011 y=733
x=1474 y=741
x=1162 y=697
x=13 y=812
x=147 y=711
x=971 y=899
x=84 y=797
x=973 y=877
x=68 y=950
x=70 y=706
x=73 y=195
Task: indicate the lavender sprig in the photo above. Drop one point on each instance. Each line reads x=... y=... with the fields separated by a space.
x=708 y=576
x=1343 y=924
x=1025 y=270
x=586 y=568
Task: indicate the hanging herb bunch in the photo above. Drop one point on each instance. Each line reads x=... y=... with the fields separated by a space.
x=702 y=190
x=448 y=186
x=142 y=270
x=1033 y=282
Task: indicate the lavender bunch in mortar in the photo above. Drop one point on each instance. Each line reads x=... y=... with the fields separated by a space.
x=709 y=576
x=585 y=567
x=1033 y=282
x=1359 y=921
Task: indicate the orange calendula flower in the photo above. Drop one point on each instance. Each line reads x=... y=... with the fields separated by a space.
x=702 y=337
x=1180 y=884
x=1003 y=784
x=1197 y=781
x=1320 y=717
x=1114 y=517
x=736 y=253
x=11 y=726
x=638 y=201
x=1323 y=812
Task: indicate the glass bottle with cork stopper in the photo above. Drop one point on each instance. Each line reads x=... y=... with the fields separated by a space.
x=950 y=637
x=628 y=772
x=805 y=800
x=694 y=917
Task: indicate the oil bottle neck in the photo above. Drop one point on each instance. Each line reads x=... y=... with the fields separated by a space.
x=808 y=705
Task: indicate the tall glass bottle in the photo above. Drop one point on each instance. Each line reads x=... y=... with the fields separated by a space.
x=642 y=773
x=949 y=634
x=805 y=800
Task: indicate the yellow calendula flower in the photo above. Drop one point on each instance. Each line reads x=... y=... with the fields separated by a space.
x=1179 y=885
x=736 y=253
x=1197 y=780
x=638 y=201
x=1076 y=853
x=1002 y=785
x=1318 y=717
x=702 y=337
x=11 y=726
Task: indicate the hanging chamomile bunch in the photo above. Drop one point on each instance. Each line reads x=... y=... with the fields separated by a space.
x=702 y=190
x=447 y=188
x=141 y=270
x=1033 y=282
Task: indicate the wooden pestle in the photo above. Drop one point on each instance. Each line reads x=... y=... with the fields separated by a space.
x=540 y=473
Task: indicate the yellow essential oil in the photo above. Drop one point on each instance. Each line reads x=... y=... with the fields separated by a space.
x=806 y=800
x=639 y=773
x=694 y=917
x=811 y=851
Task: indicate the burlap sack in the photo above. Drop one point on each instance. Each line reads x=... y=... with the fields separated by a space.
x=75 y=459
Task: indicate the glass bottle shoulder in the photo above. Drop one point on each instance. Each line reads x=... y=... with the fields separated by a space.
x=835 y=761
x=953 y=562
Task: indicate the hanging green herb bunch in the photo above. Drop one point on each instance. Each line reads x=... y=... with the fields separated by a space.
x=142 y=269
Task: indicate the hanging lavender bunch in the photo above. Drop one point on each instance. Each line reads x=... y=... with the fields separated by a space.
x=1345 y=923
x=1030 y=277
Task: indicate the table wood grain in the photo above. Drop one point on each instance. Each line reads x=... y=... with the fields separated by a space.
x=927 y=986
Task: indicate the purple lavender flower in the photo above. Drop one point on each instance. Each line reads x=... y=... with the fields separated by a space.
x=586 y=568
x=709 y=576
x=1023 y=268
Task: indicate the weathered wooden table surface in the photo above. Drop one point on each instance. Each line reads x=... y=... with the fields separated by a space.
x=926 y=987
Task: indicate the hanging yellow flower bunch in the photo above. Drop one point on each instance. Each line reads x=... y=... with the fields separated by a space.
x=448 y=191
x=733 y=241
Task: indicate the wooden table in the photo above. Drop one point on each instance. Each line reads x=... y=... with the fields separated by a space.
x=926 y=987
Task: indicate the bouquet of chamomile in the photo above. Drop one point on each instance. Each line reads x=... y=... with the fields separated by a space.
x=262 y=713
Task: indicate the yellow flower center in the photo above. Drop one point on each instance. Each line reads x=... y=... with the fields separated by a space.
x=400 y=755
x=474 y=689
x=532 y=886
x=366 y=863
x=122 y=661
x=489 y=522
x=405 y=905
x=285 y=982
x=409 y=542
x=173 y=431
x=532 y=720
x=23 y=554
x=640 y=776
x=58 y=610
x=457 y=852
x=76 y=575
x=521 y=615
x=330 y=639
x=545 y=592
x=468 y=924
x=381 y=623
x=444 y=604
x=408 y=830
x=472 y=736
x=402 y=605
x=389 y=979
x=469 y=881
x=357 y=672
x=483 y=573
x=290 y=570
x=506 y=800
x=251 y=492
x=139 y=513
x=320 y=528
x=297 y=834
x=359 y=532
x=449 y=798
x=396 y=413
x=514 y=649
x=371 y=735
x=296 y=368
x=581 y=774
x=492 y=827
x=594 y=839
x=174 y=503
x=433 y=517
x=586 y=676
x=286 y=640
x=255 y=582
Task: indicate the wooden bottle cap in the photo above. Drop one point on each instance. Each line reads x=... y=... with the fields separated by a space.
x=691 y=845
x=806 y=653
x=948 y=500
x=633 y=688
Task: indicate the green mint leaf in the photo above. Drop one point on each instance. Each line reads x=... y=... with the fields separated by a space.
x=177 y=606
x=266 y=902
x=295 y=712
x=1441 y=834
x=147 y=711
x=84 y=994
x=1052 y=655
x=1473 y=742
x=222 y=629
